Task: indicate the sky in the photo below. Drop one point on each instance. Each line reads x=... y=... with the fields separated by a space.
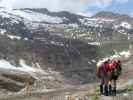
x=85 y=7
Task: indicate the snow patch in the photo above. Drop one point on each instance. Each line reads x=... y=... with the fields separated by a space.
x=2 y=31
x=95 y=21
x=6 y=13
x=26 y=39
x=126 y=54
x=12 y=37
x=7 y=68
x=94 y=43
x=73 y=25
x=93 y=61
x=126 y=25
x=57 y=43
x=118 y=55
x=4 y=64
x=121 y=55
x=89 y=62
x=25 y=67
x=33 y=16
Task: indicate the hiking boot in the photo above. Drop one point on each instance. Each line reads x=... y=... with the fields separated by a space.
x=110 y=89
x=106 y=92
x=101 y=89
x=114 y=92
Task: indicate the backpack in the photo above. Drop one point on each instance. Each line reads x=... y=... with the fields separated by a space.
x=117 y=71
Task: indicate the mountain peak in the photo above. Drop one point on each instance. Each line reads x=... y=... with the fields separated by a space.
x=111 y=15
x=39 y=10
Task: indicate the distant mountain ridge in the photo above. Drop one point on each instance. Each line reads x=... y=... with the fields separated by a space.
x=110 y=15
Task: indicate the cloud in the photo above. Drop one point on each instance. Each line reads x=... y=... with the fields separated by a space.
x=131 y=14
x=102 y=3
x=6 y=3
x=122 y=1
x=105 y=3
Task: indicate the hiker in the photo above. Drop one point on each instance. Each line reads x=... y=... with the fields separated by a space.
x=115 y=68
x=108 y=71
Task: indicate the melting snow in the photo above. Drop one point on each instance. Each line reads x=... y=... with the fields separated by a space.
x=6 y=13
x=7 y=67
x=121 y=55
x=74 y=25
x=4 y=64
x=94 y=21
x=26 y=39
x=16 y=15
x=12 y=37
x=2 y=31
x=94 y=43
x=57 y=43
x=89 y=62
x=36 y=72
x=25 y=67
x=32 y=16
x=93 y=61
x=126 y=25
x=126 y=54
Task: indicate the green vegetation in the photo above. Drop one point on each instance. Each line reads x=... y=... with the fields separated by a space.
x=129 y=88
x=107 y=48
x=95 y=97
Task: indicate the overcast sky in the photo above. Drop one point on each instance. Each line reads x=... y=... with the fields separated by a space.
x=87 y=7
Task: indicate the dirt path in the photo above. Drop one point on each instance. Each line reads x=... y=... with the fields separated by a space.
x=85 y=92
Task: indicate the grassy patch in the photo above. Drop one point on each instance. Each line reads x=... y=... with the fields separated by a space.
x=95 y=97
x=129 y=88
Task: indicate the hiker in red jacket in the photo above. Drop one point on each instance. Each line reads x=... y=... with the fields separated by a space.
x=108 y=71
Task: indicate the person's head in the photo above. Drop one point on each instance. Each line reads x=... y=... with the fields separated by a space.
x=116 y=62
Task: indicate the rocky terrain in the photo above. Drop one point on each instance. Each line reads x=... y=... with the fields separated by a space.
x=53 y=50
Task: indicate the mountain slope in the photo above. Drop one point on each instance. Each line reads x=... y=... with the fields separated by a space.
x=61 y=45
